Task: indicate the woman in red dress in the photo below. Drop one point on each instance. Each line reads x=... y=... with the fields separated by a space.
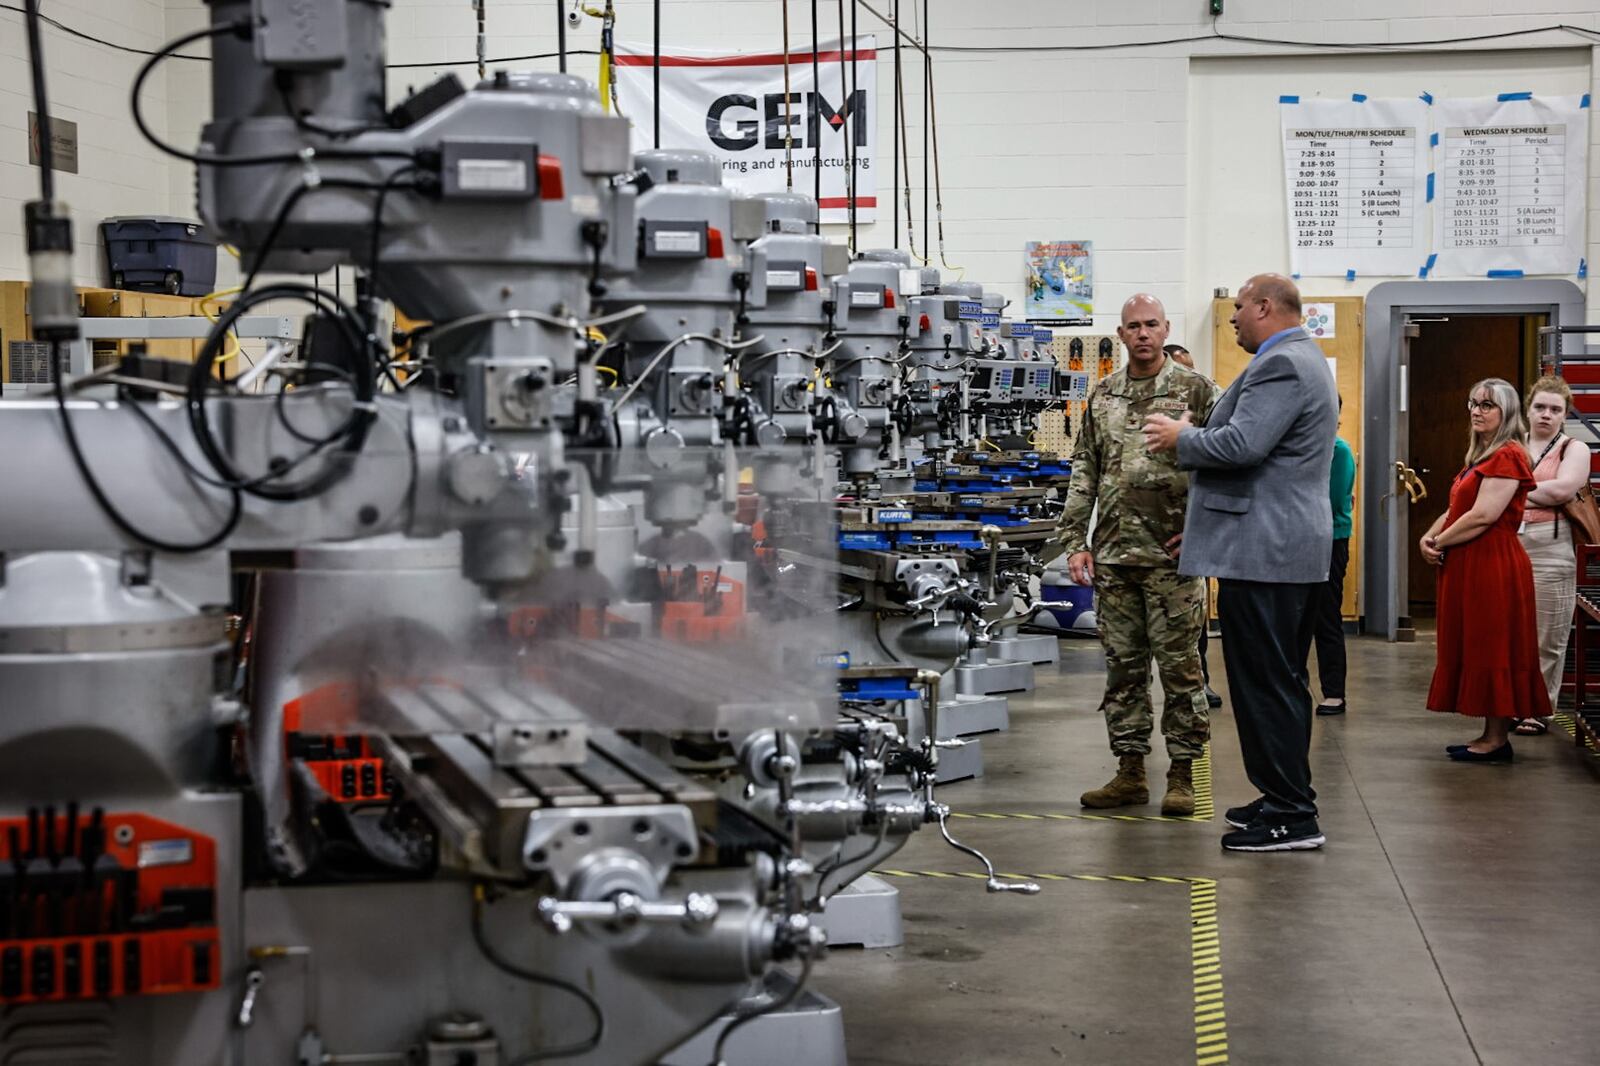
x=1488 y=665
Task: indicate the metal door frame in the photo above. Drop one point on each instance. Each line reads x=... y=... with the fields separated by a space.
x=1385 y=536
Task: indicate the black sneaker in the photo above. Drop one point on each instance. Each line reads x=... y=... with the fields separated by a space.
x=1244 y=817
x=1212 y=699
x=1302 y=835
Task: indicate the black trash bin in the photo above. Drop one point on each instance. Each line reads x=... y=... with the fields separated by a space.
x=156 y=253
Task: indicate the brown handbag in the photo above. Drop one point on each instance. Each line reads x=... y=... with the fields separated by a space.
x=1583 y=513
x=1584 y=516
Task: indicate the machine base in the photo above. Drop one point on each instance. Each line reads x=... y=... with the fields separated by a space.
x=966 y=715
x=1038 y=649
x=992 y=677
x=866 y=913
x=808 y=1032
x=958 y=764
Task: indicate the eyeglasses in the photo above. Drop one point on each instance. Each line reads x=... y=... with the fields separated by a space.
x=1482 y=405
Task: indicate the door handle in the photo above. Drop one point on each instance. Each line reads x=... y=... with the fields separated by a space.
x=1408 y=481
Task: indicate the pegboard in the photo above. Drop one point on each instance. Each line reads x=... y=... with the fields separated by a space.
x=1100 y=355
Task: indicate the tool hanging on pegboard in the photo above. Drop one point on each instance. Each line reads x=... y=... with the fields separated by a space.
x=1087 y=359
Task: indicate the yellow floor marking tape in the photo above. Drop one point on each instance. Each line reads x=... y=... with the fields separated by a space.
x=1205 y=946
x=1204 y=806
x=1565 y=721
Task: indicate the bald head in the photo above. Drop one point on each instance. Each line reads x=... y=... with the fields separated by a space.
x=1284 y=293
x=1143 y=331
x=1267 y=304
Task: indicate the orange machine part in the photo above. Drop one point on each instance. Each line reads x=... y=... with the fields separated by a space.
x=103 y=965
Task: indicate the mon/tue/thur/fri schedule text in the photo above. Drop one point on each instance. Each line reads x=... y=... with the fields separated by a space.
x=1354 y=198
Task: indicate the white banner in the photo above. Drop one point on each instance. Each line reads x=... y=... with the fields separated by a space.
x=732 y=105
x=1357 y=181
x=1511 y=175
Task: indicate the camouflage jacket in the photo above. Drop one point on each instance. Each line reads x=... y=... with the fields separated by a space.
x=1141 y=497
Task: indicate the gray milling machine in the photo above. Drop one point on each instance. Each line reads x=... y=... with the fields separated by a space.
x=167 y=919
x=415 y=728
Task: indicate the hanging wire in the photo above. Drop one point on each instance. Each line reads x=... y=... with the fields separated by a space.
x=938 y=185
x=844 y=127
x=483 y=38
x=894 y=153
x=814 y=126
x=855 y=123
x=903 y=139
x=927 y=78
x=788 y=108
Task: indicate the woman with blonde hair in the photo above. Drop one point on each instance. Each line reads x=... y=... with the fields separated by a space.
x=1560 y=469
x=1488 y=657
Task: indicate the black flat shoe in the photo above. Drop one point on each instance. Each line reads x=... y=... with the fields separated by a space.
x=1501 y=754
x=1451 y=749
x=1327 y=709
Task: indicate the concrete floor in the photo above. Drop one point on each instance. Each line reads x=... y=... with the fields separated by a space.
x=1450 y=919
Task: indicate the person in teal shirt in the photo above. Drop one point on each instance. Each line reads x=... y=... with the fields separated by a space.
x=1330 y=612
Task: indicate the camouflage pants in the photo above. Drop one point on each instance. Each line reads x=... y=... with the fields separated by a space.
x=1145 y=611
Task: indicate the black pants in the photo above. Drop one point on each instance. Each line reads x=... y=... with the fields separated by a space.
x=1205 y=641
x=1266 y=637
x=1330 y=624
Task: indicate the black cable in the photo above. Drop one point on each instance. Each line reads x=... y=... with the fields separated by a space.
x=41 y=105
x=655 y=72
x=351 y=433
x=561 y=33
x=770 y=1008
x=391 y=182
x=270 y=241
x=236 y=502
x=814 y=127
x=855 y=118
x=894 y=186
x=1562 y=27
x=500 y=962
x=927 y=95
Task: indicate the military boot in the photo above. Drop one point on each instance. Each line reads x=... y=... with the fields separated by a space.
x=1128 y=788
x=1179 y=800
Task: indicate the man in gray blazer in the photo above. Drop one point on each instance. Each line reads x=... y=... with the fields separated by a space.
x=1259 y=521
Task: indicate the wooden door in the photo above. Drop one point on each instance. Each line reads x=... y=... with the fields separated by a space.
x=1346 y=349
x=1448 y=356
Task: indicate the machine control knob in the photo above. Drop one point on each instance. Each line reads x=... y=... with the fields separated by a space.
x=478 y=473
x=770 y=434
x=852 y=426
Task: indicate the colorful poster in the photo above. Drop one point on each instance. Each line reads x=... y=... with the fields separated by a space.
x=1320 y=320
x=1060 y=281
x=732 y=105
x=1512 y=173
x=1357 y=179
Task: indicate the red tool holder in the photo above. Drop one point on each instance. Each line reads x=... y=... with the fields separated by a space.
x=343 y=764
x=70 y=937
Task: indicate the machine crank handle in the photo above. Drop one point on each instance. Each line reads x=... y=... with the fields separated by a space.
x=253 y=980
x=993 y=884
x=626 y=909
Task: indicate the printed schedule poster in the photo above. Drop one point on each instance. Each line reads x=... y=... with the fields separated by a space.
x=1357 y=173
x=1511 y=176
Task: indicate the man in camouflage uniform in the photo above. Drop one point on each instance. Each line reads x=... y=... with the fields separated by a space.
x=1143 y=606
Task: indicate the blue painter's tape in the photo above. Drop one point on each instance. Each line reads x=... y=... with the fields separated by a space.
x=1430 y=186
x=1359 y=98
x=1349 y=275
x=1504 y=97
x=1433 y=141
x=1583 y=268
x=1505 y=273
x=1288 y=99
x=1585 y=101
x=1296 y=277
x=1427 y=268
x=1426 y=98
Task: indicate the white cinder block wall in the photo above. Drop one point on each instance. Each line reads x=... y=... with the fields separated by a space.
x=1133 y=148
x=118 y=173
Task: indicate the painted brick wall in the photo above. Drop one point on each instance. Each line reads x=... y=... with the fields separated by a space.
x=1088 y=144
x=118 y=174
